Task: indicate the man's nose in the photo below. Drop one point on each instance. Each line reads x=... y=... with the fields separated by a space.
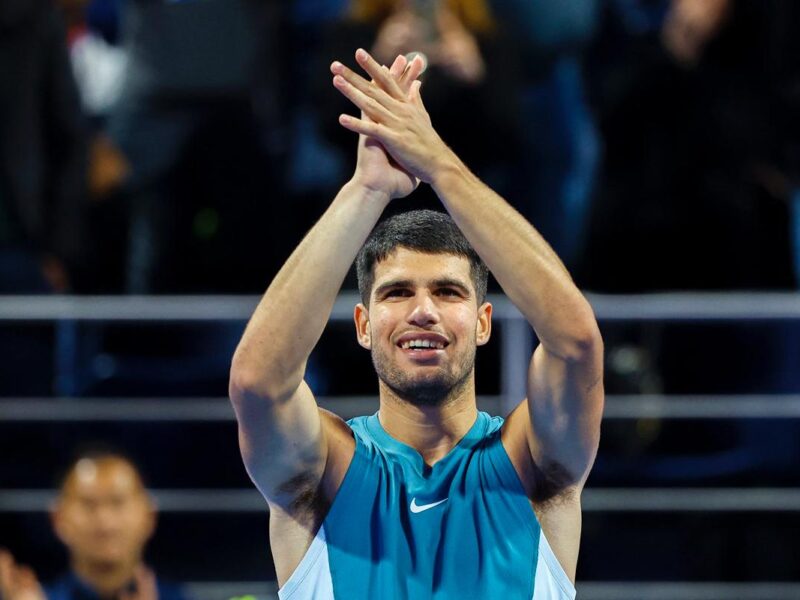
x=424 y=311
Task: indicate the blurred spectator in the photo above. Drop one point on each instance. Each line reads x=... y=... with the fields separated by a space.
x=99 y=66
x=199 y=120
x=471 y=85
x=698 y=113
x=555 y=173
x=690 y=25
x=43 y=153
x=104 y=516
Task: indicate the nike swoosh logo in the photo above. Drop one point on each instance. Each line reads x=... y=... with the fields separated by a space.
x=416 y=508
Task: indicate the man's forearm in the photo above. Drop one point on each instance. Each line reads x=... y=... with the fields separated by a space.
x=288 y=322
x=524 y=264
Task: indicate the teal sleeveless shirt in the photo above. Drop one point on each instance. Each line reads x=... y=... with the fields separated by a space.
x=401 y=530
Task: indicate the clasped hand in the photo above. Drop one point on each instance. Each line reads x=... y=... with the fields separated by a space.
x=393 y=116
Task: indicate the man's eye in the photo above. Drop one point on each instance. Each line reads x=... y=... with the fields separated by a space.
x=449 y=292
x=397 y=293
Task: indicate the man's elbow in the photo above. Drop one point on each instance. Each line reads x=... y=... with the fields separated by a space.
x=243 y=384
x=248 y=383
x=584 y=343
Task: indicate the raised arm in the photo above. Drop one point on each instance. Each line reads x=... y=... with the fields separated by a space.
x=286 y=442
x=565 y=391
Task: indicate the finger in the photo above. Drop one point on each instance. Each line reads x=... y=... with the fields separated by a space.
x=146 y=588
x=147 y=583
x=365 y=87
x=5 y=580
x=27 y=580
x=6 y=561
x=368 y=105
x=6 y=569
x=416 y=98
x=413 y=70
x=398 y=67
x=416 y=94
x=380 y=75
x=361 y=126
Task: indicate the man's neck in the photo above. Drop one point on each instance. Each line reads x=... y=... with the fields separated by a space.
x=431 y=430
x=106 y=579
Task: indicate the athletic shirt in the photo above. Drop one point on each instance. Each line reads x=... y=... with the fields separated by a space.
x=401 y=530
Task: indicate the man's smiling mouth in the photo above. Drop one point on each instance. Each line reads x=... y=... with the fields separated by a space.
x=419 y=341
x=422 y=345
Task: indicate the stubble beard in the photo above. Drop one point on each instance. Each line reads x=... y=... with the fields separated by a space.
x=436 y=389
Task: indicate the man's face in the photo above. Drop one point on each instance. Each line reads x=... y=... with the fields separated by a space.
x=104 y=514
x=423 y=325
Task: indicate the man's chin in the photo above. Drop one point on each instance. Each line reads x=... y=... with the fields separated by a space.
x=107 y=557
x=424 y=391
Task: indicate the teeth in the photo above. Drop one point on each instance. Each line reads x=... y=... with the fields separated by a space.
x=422 y=344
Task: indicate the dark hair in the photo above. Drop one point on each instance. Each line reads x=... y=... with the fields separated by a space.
x=426 y=231
x=96 y=451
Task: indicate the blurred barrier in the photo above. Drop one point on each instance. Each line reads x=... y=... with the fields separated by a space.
x=586 y=591
x=592 y=500
x=219 y=409
x=677 y=306
x=69 y=311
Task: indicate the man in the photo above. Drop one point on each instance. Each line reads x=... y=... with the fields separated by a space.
x=104 y=516
x=429 y=498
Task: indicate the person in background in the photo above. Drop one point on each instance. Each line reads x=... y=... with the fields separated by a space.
x=198 y=120
x=697 y=106
x=105 y=517
x=471 y=70
x=43 y=153
x=555 y=173
x=99 y=66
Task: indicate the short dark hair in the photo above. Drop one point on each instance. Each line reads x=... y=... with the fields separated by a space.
x=96 y=452
x=427 y=231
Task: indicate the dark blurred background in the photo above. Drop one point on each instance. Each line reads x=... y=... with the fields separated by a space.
x=169 y=147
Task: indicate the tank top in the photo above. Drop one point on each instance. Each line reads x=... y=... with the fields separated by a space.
x=399 y=529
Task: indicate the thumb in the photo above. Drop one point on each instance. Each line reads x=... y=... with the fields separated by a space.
x=416 y=95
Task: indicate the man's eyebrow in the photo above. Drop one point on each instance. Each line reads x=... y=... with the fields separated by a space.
x=447 y=282
x=436 y=283
x=394 y=283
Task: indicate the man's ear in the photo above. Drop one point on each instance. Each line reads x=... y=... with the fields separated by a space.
x=152 y=516
x=361 y=318
x=57 y=521
x=483 y=329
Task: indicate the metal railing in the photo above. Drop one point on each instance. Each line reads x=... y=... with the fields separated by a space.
x=516 y=342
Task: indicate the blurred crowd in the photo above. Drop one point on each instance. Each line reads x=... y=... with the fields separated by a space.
x=172 y=146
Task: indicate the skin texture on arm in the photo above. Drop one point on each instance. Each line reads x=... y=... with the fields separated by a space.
x=280 y=428
x=565 y=376
x=286 y=441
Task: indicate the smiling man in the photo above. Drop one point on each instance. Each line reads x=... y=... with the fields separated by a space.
x=427 y=498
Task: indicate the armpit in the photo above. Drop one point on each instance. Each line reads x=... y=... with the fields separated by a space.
x=552 y=481
x=303 y=496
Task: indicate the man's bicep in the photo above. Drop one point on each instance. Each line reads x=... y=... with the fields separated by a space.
x=282 y=444
x=565 y=406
